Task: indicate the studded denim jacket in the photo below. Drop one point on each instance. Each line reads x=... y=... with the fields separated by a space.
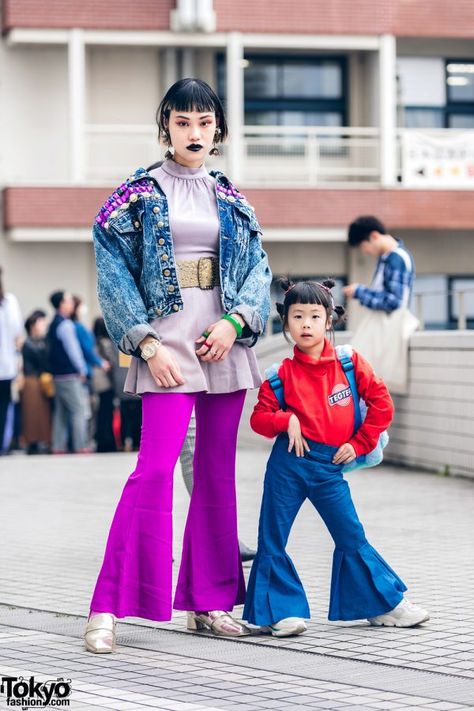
x=136 y=268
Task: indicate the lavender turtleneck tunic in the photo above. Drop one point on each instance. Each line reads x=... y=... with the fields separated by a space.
x=194 y=227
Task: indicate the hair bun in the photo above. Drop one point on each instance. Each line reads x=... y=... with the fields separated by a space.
x=285 y=283
x=329 y=283
x=340 y=313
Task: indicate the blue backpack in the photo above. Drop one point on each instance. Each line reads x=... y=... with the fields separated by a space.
x=344 y=356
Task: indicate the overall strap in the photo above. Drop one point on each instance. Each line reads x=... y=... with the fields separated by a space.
x=344 y=356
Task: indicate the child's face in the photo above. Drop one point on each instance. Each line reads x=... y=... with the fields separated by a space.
x=308 y=324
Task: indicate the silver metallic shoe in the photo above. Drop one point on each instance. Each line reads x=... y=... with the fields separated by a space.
x=219 y=622
x=99 y=636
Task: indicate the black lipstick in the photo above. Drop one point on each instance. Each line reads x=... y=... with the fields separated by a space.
x=194 y=147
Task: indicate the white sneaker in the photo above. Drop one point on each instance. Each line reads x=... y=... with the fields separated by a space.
x=288 y=627
x=405 y=614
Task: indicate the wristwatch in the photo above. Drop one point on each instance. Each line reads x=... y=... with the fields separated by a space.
x=149 y=349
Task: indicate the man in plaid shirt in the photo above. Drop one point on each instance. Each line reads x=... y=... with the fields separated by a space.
x=392 y=283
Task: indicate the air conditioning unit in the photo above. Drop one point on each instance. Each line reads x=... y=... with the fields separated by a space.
x=193 y=16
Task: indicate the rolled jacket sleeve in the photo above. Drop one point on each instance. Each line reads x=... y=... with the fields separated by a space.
x=122 y=306
x=253 y=298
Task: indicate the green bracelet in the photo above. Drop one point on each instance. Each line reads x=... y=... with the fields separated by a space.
x=234 y=322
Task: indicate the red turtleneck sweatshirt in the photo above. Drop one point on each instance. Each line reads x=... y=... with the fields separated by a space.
x=317 y=392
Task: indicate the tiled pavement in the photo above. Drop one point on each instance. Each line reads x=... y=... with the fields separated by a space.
x=54 y=516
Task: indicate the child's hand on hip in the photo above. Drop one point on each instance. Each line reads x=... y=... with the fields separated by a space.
x=296 y=438
x=345 y=454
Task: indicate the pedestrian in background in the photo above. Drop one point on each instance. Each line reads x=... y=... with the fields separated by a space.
x=383 y=334
x=11 y=329
x=69 y=371
x=37 y=391
x=103 y=387
x=92 y=359
x=186 y=458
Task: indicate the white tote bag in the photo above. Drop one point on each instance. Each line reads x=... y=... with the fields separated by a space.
x=384 y=339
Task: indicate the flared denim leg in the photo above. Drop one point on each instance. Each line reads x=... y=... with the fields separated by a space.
x=362 y=583
x=274 y=589
x=210 y=575
x=136 y=575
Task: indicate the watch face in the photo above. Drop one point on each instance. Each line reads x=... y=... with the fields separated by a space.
x=148 y=350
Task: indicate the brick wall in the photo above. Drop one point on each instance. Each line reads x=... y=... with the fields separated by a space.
x=89 y=14
x=423 y=18
x=400 y=209
x=409 y=18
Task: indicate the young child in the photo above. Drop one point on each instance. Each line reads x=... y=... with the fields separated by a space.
x=315 y=438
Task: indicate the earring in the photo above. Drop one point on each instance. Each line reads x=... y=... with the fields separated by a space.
x=214 y=150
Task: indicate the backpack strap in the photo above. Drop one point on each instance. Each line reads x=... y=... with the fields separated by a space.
x=344 y=356
x=276 y=384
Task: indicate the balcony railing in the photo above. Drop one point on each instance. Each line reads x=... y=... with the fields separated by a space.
x=300 y=156
x=272 y=155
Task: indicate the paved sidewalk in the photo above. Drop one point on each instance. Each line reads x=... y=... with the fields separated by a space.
x=54 y=518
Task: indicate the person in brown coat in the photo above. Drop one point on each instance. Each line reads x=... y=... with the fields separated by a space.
x=35 y=403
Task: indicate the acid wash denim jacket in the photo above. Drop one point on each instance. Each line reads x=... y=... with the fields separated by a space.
x=136 y=268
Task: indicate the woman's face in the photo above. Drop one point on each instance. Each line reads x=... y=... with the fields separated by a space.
x=192 y=135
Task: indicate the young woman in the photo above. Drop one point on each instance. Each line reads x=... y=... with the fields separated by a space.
x=183 y=283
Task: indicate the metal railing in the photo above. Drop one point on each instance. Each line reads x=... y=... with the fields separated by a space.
x=310 y=155
x=461 y=307
x=272 y=155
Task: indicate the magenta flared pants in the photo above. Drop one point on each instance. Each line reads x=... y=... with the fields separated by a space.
x=136 y=575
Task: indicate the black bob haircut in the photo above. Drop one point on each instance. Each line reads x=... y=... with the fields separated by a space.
x=360 y=229
x=309 y=292
x=190 y=95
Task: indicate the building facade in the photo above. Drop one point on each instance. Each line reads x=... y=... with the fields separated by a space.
x=335 y=108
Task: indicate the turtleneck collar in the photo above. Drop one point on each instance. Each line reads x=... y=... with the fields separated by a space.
x=327 y=356
x=182 y=171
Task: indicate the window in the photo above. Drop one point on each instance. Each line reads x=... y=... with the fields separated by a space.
x=435 y=92
x=282 y=91
x=460 y=81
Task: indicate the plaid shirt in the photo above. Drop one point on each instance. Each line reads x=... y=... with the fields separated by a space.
x=392 y=283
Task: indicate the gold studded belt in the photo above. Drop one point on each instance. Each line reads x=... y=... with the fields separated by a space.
x=202 y=273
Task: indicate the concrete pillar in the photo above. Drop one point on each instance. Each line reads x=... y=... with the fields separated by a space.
x=188 y=63
x=235 y=105
x=170 y=68
x=388 y=110
x=77 y=102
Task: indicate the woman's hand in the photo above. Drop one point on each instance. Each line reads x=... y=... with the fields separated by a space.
x=164 y=369
x=216 y=346
x=296 y=438
x=345 y=454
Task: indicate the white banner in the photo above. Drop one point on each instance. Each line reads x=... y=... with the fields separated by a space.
x=438 y=161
